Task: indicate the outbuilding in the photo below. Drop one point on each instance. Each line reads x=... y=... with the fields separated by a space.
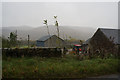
x=105 y=41
x=50 y=41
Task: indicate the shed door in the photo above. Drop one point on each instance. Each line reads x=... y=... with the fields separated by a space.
x=40 y=43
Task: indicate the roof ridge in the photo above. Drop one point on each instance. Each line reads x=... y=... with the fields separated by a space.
x=43 y=38
x=108 y=29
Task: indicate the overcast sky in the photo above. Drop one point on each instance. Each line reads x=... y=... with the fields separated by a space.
x=86 y=14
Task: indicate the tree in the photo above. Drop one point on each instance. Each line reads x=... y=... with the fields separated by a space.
x=71 y=39
x=81 y=42
x=45 y=22
x=56 y=24
x=13 y=39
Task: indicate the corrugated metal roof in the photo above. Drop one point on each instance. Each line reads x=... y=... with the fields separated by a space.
x=47 y=37
x=44 y=38
x=112 y=33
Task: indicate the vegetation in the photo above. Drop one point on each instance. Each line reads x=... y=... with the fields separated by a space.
x=58 y=31
x=6 y=43
x=45 y=22
x=11 y=41
x=56 y=24
x=66 y=67
x=13 y=38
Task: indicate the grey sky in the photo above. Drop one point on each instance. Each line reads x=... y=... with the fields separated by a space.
x=90 y=14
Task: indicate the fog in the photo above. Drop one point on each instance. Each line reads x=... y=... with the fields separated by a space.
x=85 y=14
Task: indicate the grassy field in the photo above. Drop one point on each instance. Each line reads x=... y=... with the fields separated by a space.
x=66 y=67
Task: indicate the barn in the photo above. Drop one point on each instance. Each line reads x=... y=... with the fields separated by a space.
x=50 y=41
x=105 y=41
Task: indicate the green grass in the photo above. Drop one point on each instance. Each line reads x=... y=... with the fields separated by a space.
x=67 y=67
x=20 y=47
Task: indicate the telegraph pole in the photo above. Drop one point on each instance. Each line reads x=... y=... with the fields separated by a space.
x=16 y=38
x=28 y=40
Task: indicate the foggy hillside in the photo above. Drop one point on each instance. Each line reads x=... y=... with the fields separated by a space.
x=82 y=33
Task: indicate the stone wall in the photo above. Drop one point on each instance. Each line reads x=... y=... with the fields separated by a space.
x=30 y=52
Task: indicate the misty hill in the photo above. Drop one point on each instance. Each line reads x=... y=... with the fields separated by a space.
x=82 y=33
x=18 y=28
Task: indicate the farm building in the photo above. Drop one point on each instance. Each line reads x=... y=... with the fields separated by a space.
x=50 y=41
x=85 y=45
x=105 y=41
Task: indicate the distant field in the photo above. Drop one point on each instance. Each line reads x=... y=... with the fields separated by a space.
x=67 y=67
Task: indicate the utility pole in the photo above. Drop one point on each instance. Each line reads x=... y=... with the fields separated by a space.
x=16 y=38
x=28 y=40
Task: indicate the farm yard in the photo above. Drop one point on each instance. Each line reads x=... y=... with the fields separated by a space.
x=98 y=56
x=57 y=40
